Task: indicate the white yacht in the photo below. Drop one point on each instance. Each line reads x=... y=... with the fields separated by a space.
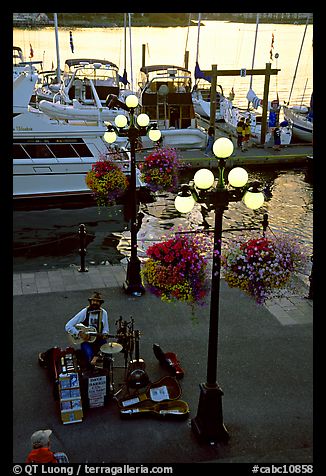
x=74 y=98
x=52 y=157
x=165 y=95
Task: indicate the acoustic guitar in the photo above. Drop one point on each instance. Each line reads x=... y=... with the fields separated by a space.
x=136 y=374
x=91 y=334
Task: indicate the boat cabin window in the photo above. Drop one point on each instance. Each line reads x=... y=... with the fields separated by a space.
x=82 y=150
x=38 y=151
x=84 y=91
x=51 y=148
x=63 y=150
x=19 y=152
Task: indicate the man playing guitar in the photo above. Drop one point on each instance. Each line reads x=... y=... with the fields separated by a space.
x=93 y=316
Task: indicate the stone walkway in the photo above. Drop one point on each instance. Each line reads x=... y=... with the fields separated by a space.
x=289 y=309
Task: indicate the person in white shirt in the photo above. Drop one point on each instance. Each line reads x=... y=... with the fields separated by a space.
x=95 y=316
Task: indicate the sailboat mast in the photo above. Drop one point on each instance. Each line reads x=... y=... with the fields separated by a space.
x=57 y=47
x=199 y=20
x=185 y=62
x=296 y=68
x=131 y=72
x=125 y=40
x=254 y=52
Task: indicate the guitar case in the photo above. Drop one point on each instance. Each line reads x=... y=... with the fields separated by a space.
x=177 y=409
x=159 y=399
x=169 y=360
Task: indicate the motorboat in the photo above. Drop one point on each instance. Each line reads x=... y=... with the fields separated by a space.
x=75 y=99
x=75 y=81
x=165 y=95
x=50 y=157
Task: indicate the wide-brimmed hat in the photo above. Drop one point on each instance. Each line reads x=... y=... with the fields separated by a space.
x=96 y=295
x=41 y=438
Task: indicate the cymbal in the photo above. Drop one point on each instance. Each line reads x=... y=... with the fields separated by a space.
x=111 y=348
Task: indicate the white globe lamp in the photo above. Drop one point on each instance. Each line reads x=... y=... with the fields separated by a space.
x=154 y=135
x=223 y=147
x=121 y=121
x=238 y=177
x=253 y=200
x=131 y=101
x=204 y=179
x=184 y=204
x=110 y=137
x=143 y=120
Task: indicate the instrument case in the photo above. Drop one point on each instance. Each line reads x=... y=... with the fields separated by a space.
x=160 y=398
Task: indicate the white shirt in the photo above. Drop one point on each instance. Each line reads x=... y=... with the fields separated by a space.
x=81 y=316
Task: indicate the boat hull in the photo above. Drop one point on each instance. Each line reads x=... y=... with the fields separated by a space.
x=301 y=126
x=202 y=108
x=52 y=158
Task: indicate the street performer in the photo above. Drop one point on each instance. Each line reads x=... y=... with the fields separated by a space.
x=95 y=316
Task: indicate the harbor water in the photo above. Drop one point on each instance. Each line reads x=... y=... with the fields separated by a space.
x=229 y=45
x=49 y=238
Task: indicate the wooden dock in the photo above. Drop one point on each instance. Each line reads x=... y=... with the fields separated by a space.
x=290 y=155
x=256 y=156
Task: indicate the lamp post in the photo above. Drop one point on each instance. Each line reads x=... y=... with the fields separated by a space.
x=136 y=128
x=208 y=424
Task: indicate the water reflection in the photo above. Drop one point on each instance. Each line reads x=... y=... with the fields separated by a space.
x=50 y=237
x=288 y=204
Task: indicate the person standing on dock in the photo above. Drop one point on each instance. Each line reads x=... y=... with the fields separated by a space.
x=277 y=138
x=240 y=126
x=210 y=141
x=246 y=134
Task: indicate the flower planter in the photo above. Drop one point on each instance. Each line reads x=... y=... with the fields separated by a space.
x=159 y=171
x=262 y=266
x=107 y=181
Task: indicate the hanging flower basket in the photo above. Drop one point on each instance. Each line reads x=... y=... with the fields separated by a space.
x=160 y=169
x=176 y=270
x=107 y=181
x=262 y=266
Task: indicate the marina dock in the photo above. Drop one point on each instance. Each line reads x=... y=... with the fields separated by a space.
x=256 y=155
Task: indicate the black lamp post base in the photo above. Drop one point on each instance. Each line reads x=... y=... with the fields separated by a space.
x=208 y=425
x=133 y=283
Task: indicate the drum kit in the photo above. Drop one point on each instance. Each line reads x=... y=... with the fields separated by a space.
x=124 y=343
